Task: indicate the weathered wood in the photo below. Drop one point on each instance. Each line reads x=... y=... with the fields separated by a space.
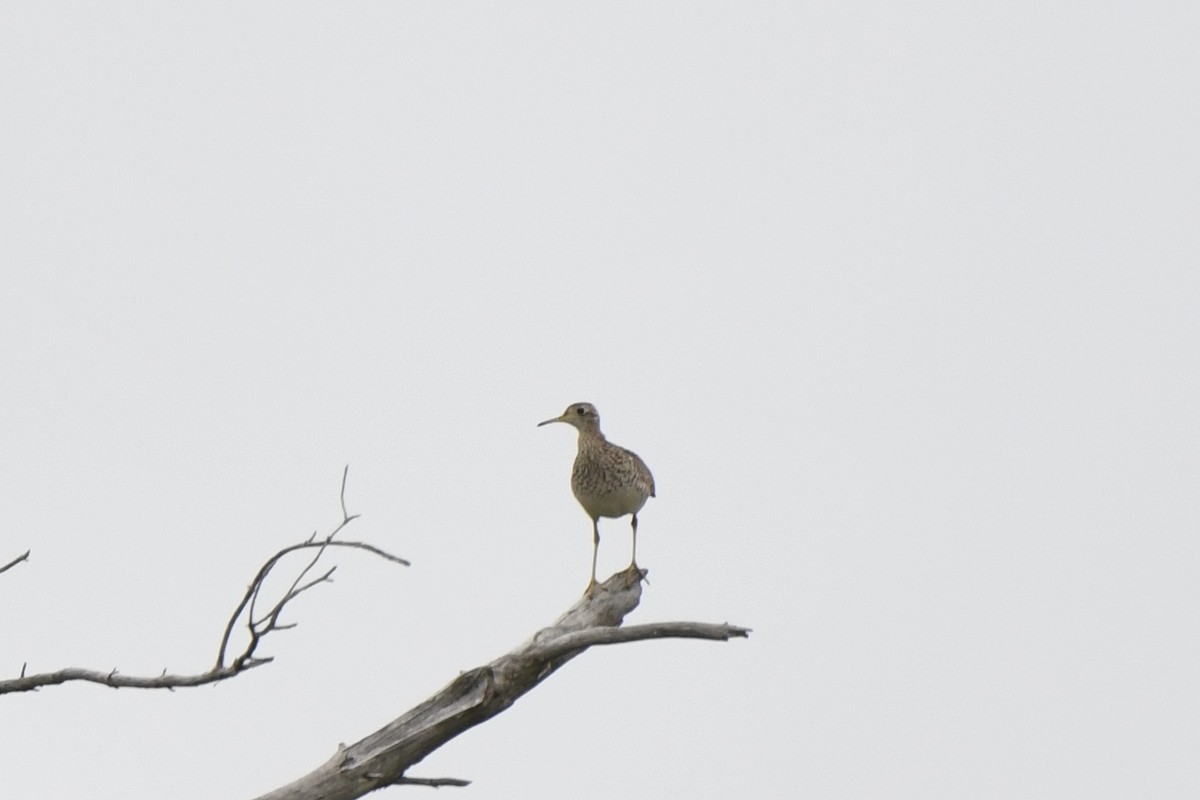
x=382 y=758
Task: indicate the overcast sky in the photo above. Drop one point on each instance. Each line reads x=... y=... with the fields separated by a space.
x=900 y=303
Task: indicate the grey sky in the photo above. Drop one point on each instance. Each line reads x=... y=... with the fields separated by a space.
x=898 y=302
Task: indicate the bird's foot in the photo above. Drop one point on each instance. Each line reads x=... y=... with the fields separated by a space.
x=641 y=573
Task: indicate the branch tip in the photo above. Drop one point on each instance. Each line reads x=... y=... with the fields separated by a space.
x=342 y=495
x=23 y=557
x=436 y=783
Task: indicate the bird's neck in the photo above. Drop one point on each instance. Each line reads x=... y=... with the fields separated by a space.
x=590 y=437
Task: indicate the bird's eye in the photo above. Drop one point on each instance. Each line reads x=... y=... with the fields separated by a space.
x=579 y=410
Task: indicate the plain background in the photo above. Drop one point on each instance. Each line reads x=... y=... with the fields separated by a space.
x=899 y=302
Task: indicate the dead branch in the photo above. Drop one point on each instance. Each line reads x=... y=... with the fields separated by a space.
x=258 y=628
x=23 y=557
x=436 y=783
x=382 y=758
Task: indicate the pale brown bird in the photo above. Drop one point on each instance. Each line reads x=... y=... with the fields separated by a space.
x=607 y=480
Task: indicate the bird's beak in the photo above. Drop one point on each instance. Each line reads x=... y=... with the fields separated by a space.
x=547 y=422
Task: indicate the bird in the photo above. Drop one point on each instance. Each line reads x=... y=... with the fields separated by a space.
x=607 y=480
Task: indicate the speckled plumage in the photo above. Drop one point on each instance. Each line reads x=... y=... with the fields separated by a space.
x=607 y=480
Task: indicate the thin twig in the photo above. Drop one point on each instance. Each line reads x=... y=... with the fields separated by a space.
x=23 y=557
x=266 y=569
x=434 y=782
x=342 y=496
x=346 y=518
x=256 y=627
x=272 y=617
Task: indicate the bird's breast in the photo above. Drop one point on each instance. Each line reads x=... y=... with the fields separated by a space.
x=608 y=488
x=612 y=503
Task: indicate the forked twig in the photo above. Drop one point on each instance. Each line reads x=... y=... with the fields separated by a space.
x=258 y=629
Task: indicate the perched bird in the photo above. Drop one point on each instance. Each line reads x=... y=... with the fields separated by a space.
x=608 y=481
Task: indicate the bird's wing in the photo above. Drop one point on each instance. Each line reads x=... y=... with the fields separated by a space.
x=642 y=471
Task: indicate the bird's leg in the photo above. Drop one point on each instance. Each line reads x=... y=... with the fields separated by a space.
x=595 y=549
x=633 y=558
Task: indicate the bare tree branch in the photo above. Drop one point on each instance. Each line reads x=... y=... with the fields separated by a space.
x=116 y=680
x=382 y=758
x=581 y=640
x=434 y=782
x=23 y=557
x=258 y=628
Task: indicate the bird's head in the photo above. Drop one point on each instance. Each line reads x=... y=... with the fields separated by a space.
x=582 y=415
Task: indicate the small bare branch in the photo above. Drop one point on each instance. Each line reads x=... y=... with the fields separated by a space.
x=345 y=473
x=23 y=557
x=272 y=616
x=434 y=782
x=258 y=628
x=580 y=640
x=256 y=586
x=27 y=683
